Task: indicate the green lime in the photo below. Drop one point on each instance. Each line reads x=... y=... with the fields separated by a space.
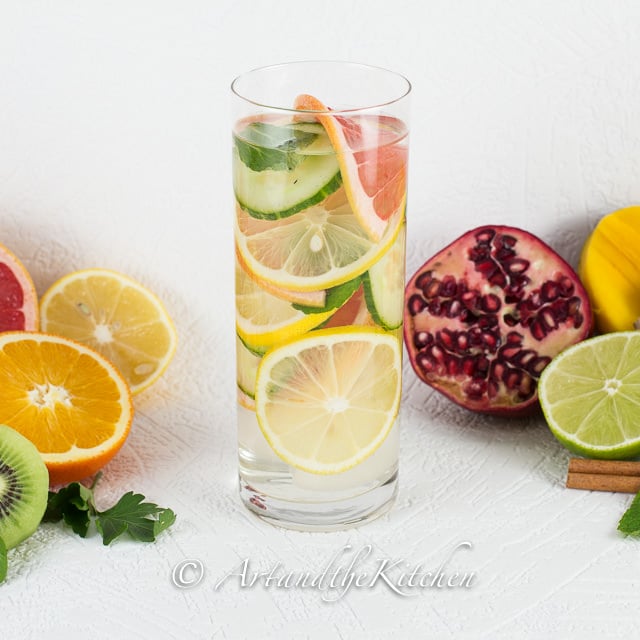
x=590 y=396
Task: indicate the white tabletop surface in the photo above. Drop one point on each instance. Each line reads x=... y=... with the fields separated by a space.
x=114 y=152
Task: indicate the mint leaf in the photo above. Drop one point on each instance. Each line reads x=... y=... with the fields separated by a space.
x=74 y=504
x=336 y=297
x=142 y=520
x=630 y=522
x=3 y=560
x=267 y=146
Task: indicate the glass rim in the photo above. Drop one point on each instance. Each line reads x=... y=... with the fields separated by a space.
x=362 y=65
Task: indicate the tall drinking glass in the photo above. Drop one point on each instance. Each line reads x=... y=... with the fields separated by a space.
x=319 y=175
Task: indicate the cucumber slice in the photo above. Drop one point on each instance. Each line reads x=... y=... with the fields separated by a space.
x=246 y=368
x=384 y=286
x=271 y=194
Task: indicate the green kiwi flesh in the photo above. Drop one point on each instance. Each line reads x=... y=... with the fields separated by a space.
x=24 y=487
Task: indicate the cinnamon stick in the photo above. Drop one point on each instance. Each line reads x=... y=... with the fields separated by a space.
x=604 y=475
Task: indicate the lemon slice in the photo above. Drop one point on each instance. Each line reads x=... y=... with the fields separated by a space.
x=117 y=317
x=327 y=401
x=246 y=368
x=315 y=249
x=263 y=319
x=590 y=395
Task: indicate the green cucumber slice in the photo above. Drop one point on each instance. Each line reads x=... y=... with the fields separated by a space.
x=247 y=363
x=271 y=194
x=384 y=286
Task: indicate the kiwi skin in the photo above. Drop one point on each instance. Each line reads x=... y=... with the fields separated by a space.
x=24 y=487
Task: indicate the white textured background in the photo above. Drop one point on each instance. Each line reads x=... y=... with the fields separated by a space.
x=114 y=151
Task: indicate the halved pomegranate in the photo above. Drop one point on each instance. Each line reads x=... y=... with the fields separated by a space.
x=484 y=317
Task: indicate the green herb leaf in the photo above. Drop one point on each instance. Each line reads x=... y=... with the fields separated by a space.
x=630 y=522
x=142 y=520
x=3 y=560
x=336 y=297
x=267 y=146
x=74 y=504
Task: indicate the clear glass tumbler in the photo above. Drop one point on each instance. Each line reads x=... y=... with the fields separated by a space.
x=320 y=155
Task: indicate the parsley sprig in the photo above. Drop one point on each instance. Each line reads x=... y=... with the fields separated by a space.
x=75 y=504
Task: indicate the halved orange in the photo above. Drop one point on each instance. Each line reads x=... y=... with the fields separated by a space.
x=18 y=299
x=72 y=403
x=372 y=157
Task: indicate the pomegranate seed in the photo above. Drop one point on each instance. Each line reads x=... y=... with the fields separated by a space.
x=476 y=388
x=492 y=389
x=509 y=352
x=468 y=366
x=509 y=320
x=432 y=289
x=421 y=339
x=453 y=366
x=424 y=279
x=435 y=307
x=437 y=353
x=524 y=357
x=490 y=341
x=514 y=338
x=498 y=279
x=482 y=364
x=463 y=341
x=549 y=291
x=425 y=362
x=573 y=305
x=513 y=378
x=449 y=287
x=508 y=241
x=537 y=366
x=446 y=338
x=526 y=385
x=478 y=253
x=485 y=236
x=517 y=265
x=487 y=322
x=487 y=267
x=470 y=300
x=416 y=304
x=566 y=286
x=504 y=253
x=491 y=303
x=497 y=370
x=537 y=329
x=454 y=309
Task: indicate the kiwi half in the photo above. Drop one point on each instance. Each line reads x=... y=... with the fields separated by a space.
x=24 y=487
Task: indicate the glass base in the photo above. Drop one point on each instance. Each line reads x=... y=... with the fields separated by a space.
x=325 y=515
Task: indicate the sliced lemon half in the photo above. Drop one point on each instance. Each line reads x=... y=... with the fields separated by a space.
x=318 y=248
x=327 y=401
x=116 y=316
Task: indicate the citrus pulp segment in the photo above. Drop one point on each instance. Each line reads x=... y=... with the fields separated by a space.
x=372 y=159
x=590 y=396
x=71 y=402
x=263 y=320
x=326 y=401
x=18 y=298
x=116 y=316
x=318 y=248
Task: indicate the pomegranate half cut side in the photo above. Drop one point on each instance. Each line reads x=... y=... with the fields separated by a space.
x=484 y=317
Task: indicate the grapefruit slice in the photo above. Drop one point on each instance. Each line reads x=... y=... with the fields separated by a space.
x=18 y=299
x=372 y=160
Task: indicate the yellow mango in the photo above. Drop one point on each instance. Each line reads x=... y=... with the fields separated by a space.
x=610 y=270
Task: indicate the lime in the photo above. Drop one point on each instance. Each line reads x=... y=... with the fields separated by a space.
x=590 y=396
x=326 y=401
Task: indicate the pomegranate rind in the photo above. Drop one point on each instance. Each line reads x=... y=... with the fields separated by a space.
x=12 y=269
x=493 y=369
